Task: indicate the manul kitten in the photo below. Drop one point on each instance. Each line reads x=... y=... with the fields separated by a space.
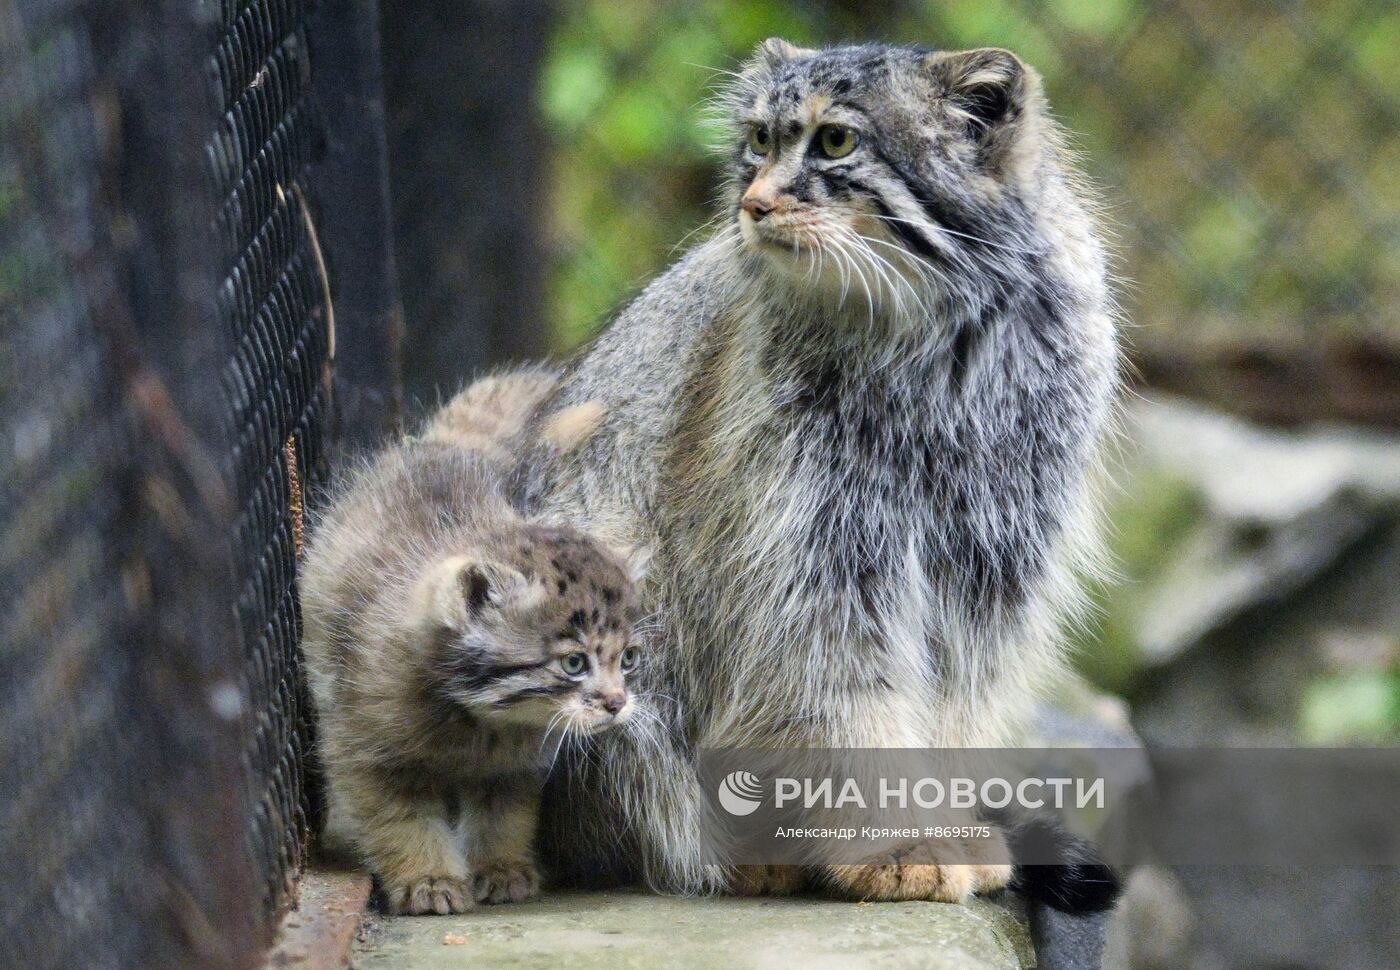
x=452 y=647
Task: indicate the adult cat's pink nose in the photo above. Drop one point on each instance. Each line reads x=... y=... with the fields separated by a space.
x=613 y=703
x=756 y=206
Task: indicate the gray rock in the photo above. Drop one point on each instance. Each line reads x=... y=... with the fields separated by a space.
x=1252 y=474
x=1065 y=942
x=1276 y=509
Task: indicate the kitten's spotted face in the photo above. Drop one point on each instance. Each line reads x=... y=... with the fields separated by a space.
x=545 y=635
x=877 y=171
x=579 y=685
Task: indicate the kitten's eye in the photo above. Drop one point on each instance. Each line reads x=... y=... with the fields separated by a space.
x=760 y=139
x=575 y=664
x=837 y=141
x=630 y=656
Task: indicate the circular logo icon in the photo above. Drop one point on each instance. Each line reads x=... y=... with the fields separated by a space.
x=740 y=792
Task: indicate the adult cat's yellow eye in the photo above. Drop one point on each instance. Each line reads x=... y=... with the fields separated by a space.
x=760 y=139
x=837 y=141
x=575 y=664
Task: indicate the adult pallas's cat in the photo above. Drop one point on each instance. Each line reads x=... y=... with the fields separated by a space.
x=858 y=426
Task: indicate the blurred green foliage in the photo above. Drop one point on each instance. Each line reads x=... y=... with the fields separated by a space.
x=1352 y=708
x=632 y=167
x=1250 y=152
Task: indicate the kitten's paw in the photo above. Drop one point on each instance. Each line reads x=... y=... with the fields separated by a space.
x=505 y=881
x=767 y=880
x=431 y=894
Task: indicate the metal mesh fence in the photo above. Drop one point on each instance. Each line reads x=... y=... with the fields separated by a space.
x=1251 y=153
x=276 y=383
x=165 y=410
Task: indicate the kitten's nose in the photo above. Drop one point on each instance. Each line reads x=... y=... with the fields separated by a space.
x=613 y=703
x=756 y=206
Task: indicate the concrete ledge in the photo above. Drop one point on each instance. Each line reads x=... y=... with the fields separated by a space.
x=622 y=930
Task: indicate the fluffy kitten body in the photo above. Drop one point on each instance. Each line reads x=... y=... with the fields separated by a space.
x=857 y=426
x=451 y=647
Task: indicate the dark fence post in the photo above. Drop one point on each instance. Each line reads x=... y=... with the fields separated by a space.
x=467 y=163
x=350 y=196
x=123 y=819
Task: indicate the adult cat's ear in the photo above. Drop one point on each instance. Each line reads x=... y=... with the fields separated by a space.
x=461 y=588
x=990 y=90
x=775 y=51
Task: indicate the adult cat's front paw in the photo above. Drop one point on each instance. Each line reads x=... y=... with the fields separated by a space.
x=430 y=894
x=505 y=881
x=911 y=873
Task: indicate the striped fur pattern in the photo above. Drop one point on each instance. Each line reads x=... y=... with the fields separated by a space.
x=858 y=426
x=452 y=649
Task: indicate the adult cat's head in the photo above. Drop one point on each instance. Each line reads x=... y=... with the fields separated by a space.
x=911 y=177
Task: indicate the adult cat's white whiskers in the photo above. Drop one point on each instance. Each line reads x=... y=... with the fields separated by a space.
x=842 y=246
x=930 y=275
x=893 y=282
x=961 y=235
x=919 y=267
x=707 y=224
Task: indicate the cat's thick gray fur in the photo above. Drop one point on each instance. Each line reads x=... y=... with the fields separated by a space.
x=867 y=504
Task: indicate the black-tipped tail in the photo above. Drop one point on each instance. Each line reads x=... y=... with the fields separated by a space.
x=1078 y=881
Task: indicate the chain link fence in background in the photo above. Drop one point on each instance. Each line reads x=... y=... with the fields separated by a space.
x=165 y=413
x=1249 y=154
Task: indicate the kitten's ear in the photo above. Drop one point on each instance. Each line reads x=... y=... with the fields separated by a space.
x=774 y=51
x=990 y=88
x=460 y=588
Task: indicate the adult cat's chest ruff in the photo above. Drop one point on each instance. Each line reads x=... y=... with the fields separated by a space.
x=803 y=534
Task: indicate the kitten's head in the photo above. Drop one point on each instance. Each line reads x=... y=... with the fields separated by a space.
x=885 y=171
x=535 y=629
